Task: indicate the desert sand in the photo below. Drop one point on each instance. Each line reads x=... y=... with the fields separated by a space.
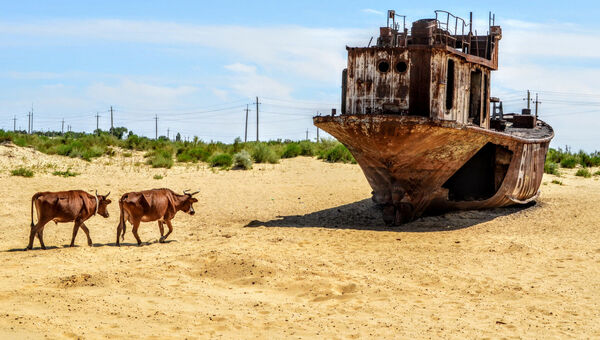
x=295 y=250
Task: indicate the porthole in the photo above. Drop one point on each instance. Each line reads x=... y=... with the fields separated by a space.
x=383 y=66
x=401 y=67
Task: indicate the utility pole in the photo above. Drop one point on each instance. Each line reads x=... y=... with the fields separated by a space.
x=97 y=122
x=28 y=122
x=31 y=117
x=156 y=127
x=111 y=120
x=306 y=134
x=246 y=130
x=537 y=102
x=168 y=130
x=317 y=135
x=257 y=118
x=15 y=124
x=62 y=129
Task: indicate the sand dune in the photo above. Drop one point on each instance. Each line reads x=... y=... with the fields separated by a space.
x=295 y=250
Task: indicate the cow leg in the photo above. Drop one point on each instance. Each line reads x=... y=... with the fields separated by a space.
x=40 y=235
x=136 y=225
x=162 y=229
x=34 y=231
x=163 y=238
x=75 y=230
x=87 y=233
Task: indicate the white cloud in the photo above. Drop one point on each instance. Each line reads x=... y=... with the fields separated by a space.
x=221 y=94
x=560 y=61
x=239 y=67
x=140 y=95
x=315 y=53
x=271 y=61
x=372 y=11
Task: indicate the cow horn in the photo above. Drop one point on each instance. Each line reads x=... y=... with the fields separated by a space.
x=105 y=196
x=186 y=191
x=96 y=192
x=195 y=192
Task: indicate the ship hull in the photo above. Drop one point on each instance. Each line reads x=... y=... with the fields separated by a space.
x=419 y=166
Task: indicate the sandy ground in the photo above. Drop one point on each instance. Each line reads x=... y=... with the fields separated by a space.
x=295 y=250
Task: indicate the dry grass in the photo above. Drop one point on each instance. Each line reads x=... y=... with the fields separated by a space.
x=314 y=261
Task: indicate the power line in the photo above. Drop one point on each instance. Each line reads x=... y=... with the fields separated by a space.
x=187 y=110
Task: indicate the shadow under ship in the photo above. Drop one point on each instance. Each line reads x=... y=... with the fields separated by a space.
x=415 y=114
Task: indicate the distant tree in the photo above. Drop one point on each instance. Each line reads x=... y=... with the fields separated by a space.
x=178 y=137
x=118 y=132
x=237 y=145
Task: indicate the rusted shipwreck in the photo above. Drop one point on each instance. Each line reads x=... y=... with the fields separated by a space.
x=415 y=114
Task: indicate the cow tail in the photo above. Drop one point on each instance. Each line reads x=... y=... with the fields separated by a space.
x=33 y=198
x=122 y=220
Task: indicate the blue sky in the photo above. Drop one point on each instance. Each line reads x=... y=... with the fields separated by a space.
x=196 y=65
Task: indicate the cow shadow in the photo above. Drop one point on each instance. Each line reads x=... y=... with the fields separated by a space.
x=25 y=249
x=365 y=215
x=94 y=245
x=132 y=244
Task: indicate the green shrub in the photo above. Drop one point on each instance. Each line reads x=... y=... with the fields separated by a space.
x=193 y=154
x=222 y=160
x=583 y=172
x=555 y=181
x=306 y=148
x=262 y=153
x=158 y=177
x=66 y=173
x=597 y=173
x=185 y=157
x=569 y=162
x=23 y=172
x=92 y=152
x=161 y=158
x=338 y=153
x=291 y=150
x=127 y=154
x=242 y=160
x=551 y=168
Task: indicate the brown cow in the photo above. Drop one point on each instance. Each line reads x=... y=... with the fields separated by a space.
x=152 y=205
x=66 y=206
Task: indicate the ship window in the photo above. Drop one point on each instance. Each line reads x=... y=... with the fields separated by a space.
x=383 y=66
x=450 y=85
x=475 y=97
x=401 y=67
